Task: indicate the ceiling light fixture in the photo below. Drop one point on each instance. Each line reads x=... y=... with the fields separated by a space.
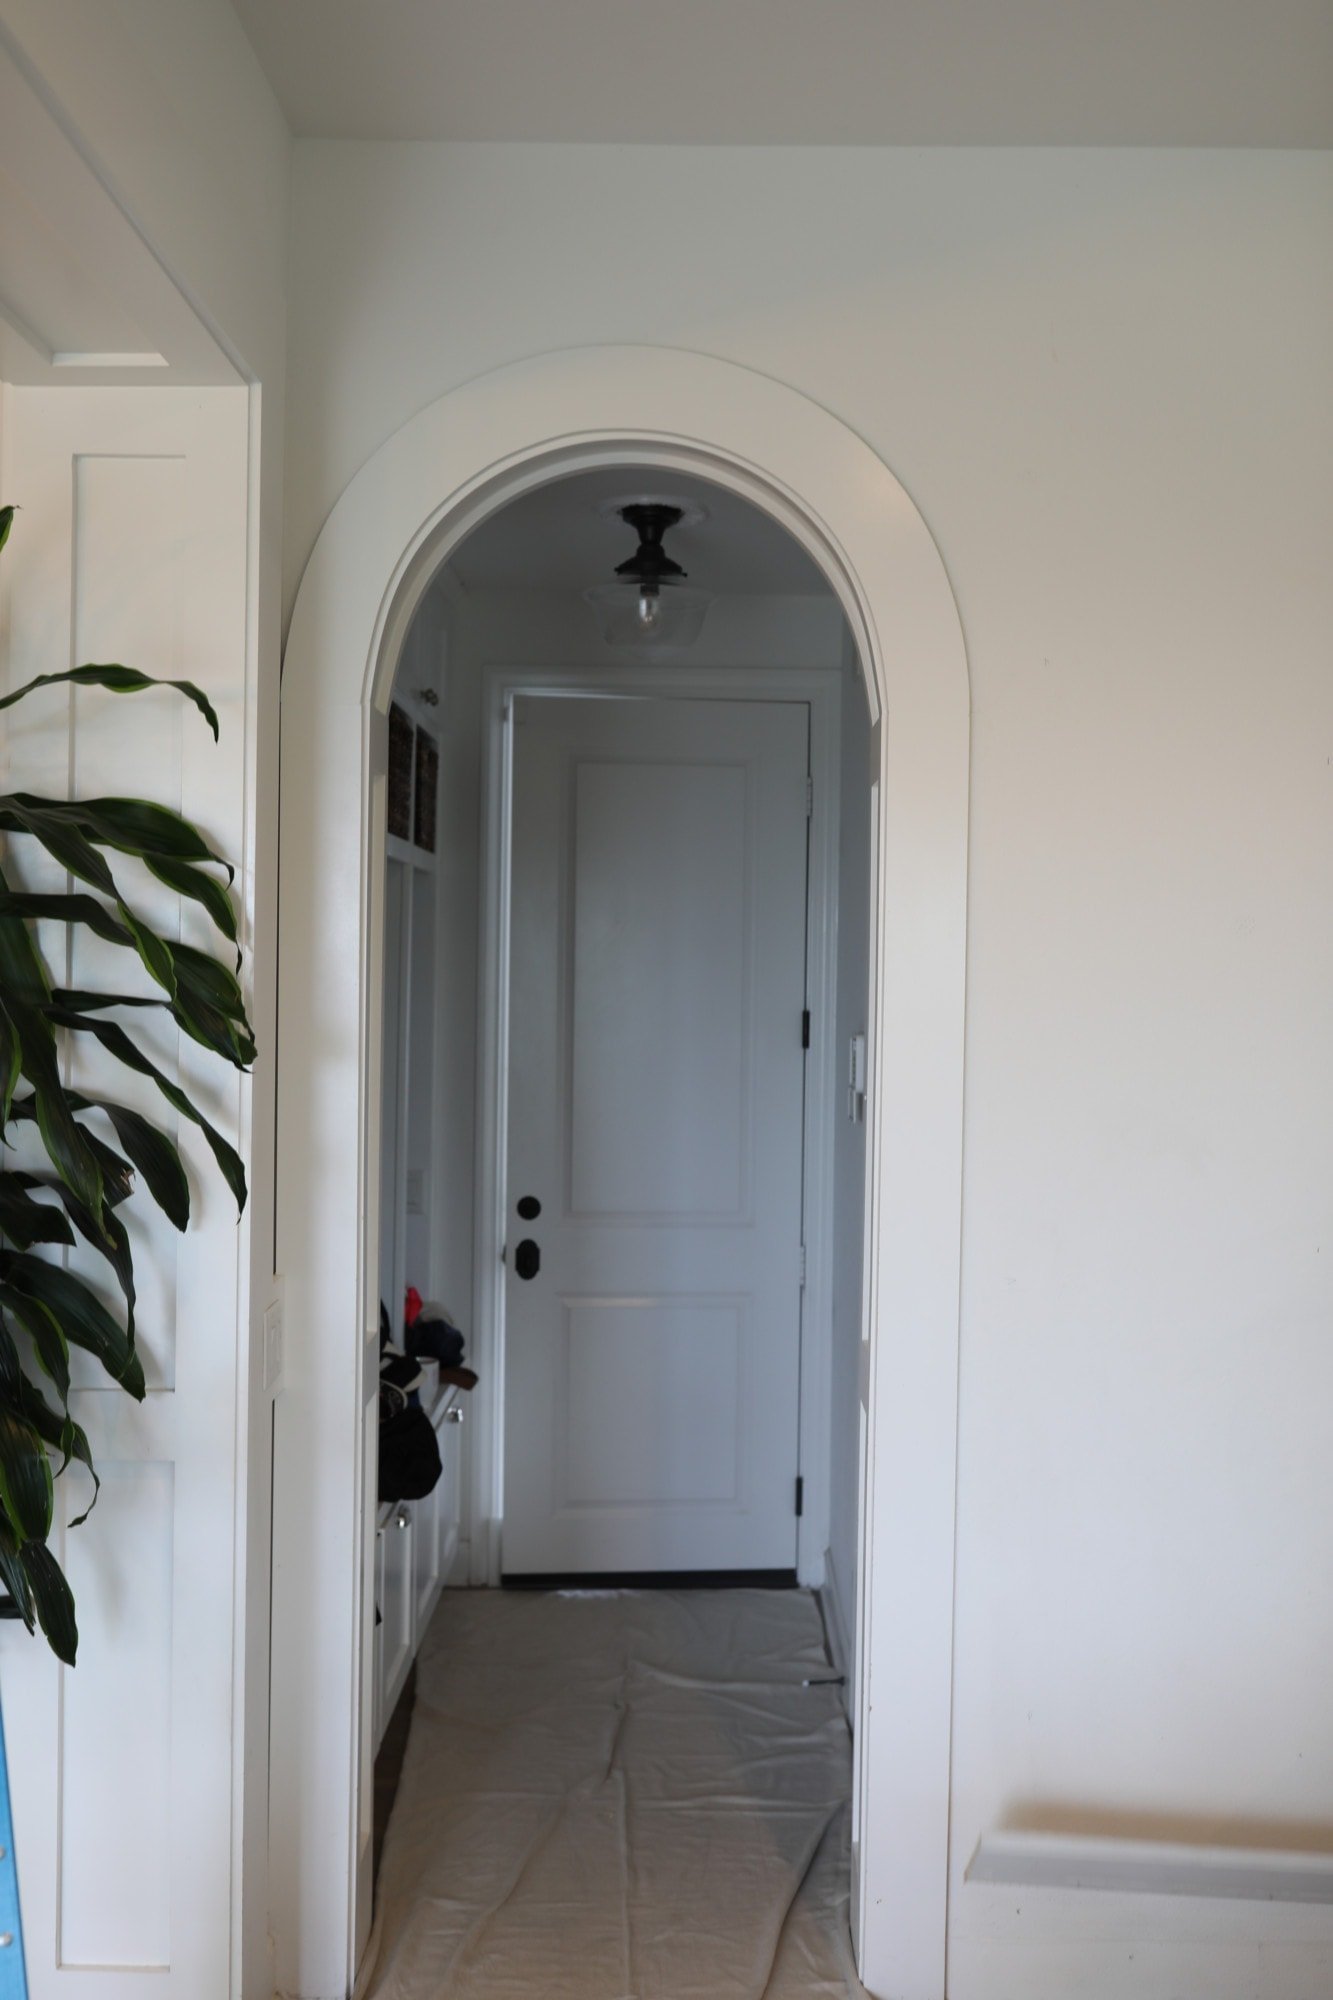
x=650 y=603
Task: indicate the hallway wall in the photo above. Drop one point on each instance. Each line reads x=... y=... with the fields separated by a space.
x=849 y=1164
x=541 y=629
x=1103 y=378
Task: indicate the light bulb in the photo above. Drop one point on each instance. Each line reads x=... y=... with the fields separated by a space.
x=650 y=610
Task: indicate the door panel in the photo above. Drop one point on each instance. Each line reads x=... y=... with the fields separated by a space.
x=658 y=915
x=132 y=546
x=662 y=955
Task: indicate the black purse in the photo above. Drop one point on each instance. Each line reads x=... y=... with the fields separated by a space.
x=409 y=1449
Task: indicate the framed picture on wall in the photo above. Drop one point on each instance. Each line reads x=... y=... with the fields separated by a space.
x=427 y=789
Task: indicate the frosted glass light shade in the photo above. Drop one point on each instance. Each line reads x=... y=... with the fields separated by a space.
x=671 y=617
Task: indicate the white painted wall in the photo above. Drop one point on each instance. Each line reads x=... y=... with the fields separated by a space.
x=166 y=99
x=849 y=1161
x=166 y=102
x=1103 y=377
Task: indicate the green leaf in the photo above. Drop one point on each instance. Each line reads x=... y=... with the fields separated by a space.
x=52 y=1599
x=150 y=1149
x=60 y=1432
x=10 y=1067
x=25 y=1221
x=66 y=844
x=202 y=1022
x=153 y=950
x=26 y=1489
x=117 y=1174
x=110 y=1241
x=67 y=1145
x=117 y=680
x=75 y=1000
x=22 y=973
x=188 y=881
x=82 y=1318
x=117 y=1042
x=201 y=974
x=172 y=965
x=47 y=1335
x=168 y=845
x=77 y=909
x=156 y=1158
x=131 y=826
x=6 y=523
x=12 y=1379
x=60 y=836
x=13 y=1575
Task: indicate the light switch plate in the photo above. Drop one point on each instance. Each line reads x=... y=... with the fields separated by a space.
x=273 y=1347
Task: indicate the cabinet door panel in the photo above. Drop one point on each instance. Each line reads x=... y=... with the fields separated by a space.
x=397 y=1605
x=427 y=1530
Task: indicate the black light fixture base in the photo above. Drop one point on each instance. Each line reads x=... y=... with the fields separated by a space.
x=650 y=566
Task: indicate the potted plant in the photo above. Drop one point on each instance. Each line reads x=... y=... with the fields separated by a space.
x=69 y=1160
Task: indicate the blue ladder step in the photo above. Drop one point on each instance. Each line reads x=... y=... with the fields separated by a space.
x=13 y=1972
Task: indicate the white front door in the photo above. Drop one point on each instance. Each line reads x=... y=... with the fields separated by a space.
x=656 y=1082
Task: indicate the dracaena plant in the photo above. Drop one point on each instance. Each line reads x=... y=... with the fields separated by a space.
x=82 y=1154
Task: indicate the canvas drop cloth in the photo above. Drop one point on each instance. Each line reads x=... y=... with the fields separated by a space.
x=620 y=1796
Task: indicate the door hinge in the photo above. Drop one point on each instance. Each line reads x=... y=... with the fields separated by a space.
x=805 y=1028
x=809 y=795
x=800 y=1496
x=800 y=1267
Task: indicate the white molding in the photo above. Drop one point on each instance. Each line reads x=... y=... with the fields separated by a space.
x=406 y=851
x=1152 y=1867
x=409 y=505
x=834 y=1606
x=821 y=689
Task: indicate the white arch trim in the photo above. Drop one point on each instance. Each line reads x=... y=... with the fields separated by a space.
x=422 y=491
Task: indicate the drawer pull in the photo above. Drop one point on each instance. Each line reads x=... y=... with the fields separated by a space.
x=402 y=1519
x=454 y=1414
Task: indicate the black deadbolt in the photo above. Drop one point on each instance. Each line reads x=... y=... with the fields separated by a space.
x=529 y=1207
x=528 y=1258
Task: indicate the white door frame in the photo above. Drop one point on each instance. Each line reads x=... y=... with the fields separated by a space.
x=821 y=689
x=408 y=507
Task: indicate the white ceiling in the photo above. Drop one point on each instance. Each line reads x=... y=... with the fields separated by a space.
x=805 y=72
x=556 y=539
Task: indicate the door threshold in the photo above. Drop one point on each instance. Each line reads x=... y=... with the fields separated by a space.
x=652 y=1579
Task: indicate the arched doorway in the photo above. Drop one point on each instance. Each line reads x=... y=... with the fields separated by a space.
x=427 y=487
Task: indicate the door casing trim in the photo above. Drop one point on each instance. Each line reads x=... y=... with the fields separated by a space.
x=427 y=486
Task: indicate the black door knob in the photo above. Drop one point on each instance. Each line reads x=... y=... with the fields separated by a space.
x=528 y=1258
x=528 y=1207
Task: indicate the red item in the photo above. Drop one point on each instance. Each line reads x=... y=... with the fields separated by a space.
x=412 y=1306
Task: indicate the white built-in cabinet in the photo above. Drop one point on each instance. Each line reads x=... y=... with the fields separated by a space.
x=415 y=1542
x=408 y=1124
